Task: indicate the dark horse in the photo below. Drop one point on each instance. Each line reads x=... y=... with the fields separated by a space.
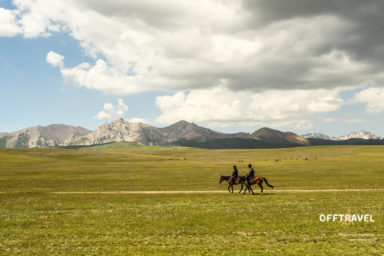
x=256 y=180
x=240 y=180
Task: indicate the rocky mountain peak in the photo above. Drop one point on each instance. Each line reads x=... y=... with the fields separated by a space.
x=118 y=130
x=182 y=124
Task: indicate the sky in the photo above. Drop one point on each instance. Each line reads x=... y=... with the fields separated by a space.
x=294 y=65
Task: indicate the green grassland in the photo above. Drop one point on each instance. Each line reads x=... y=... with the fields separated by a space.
x=34 y=221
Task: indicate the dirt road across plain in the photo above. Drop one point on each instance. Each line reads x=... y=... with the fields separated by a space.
x=220 y=191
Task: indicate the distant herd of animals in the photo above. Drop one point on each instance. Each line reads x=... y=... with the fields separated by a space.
x=247 y=181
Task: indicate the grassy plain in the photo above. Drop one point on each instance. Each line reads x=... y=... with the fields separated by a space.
x=34 y=221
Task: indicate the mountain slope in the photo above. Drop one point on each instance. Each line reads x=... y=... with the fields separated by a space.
x=188 y=131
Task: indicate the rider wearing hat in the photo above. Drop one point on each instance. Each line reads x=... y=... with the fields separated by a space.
x=251 y=174
x=235 y=174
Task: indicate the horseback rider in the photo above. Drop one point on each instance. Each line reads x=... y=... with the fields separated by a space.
x=235 y=174
x=251 y=175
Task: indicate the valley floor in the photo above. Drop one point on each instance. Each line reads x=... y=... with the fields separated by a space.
x=90 y=201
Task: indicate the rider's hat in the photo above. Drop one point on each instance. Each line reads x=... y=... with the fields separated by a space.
x=249 y=165
x=234 y=166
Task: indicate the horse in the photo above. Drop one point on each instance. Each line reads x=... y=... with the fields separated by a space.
x=232 y=182
x=256 y=180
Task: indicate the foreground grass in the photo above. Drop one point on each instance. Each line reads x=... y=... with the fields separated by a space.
x=34 y=221
x=275 y=224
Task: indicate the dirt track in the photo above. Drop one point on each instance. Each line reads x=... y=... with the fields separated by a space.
x=219 y=191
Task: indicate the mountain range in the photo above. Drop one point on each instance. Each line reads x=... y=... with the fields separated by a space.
x=184 y=133
x=181 y=133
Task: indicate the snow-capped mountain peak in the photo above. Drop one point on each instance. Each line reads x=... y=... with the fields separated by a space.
x=358 y=135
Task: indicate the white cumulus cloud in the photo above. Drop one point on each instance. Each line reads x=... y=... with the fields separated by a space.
x=55 y=59
x=138 y=120
x=112 y=112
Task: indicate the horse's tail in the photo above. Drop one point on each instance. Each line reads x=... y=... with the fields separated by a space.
x=266 y=182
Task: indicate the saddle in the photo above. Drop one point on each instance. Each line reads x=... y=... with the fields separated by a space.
x=235 y=179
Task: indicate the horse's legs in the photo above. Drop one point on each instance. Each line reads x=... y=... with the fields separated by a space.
x=261 y=186
x=241 y=187
x=251 y=189
x=245 y=190
x=248 y=187
x=232 y=188
x=228 y=188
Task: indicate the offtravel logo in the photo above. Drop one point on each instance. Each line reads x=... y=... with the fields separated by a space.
x=346 y=219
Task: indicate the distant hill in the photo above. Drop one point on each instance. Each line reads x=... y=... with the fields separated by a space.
x=191 y=132
x=275 y=137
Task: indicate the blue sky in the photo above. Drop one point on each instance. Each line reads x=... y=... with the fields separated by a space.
x=87 y=63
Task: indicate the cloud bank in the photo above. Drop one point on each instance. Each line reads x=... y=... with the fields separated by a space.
x=294 y=56
x=177 y=45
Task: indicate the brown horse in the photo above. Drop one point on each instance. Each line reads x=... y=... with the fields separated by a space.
x=256 y=180
x=232 y=182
